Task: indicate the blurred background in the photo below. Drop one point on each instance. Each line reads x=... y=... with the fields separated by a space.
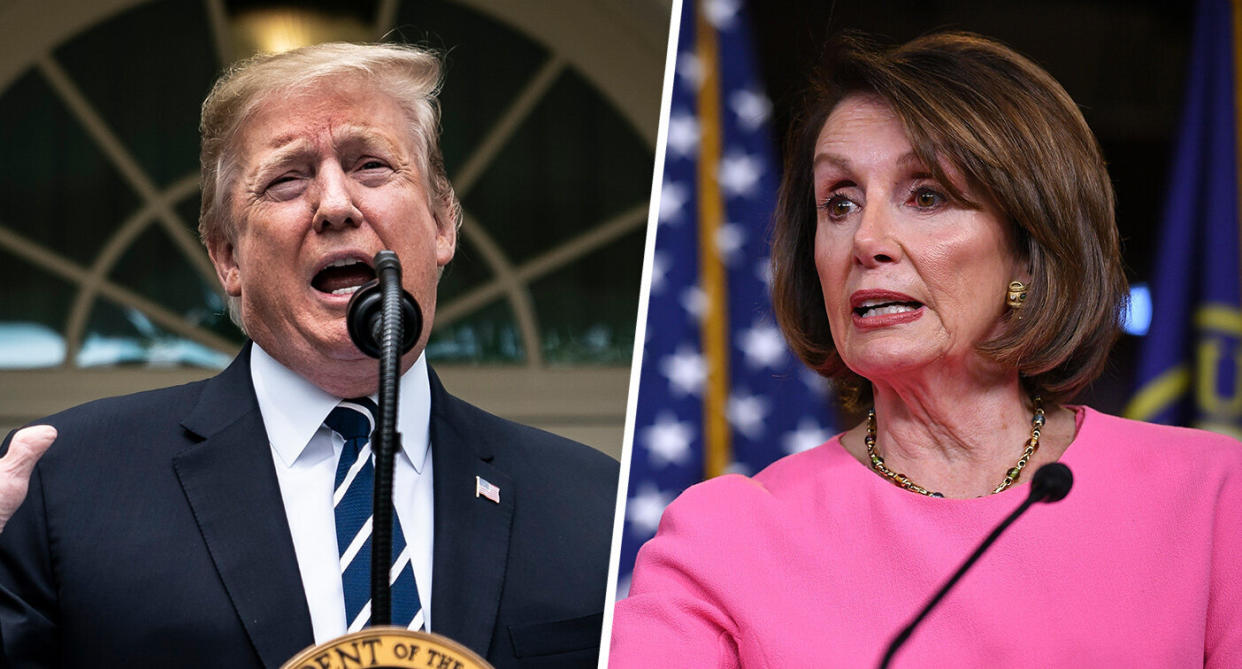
x=550 y=118
x=720 y=393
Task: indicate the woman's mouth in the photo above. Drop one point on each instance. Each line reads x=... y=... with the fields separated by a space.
x=874 y=309
x=871 y=308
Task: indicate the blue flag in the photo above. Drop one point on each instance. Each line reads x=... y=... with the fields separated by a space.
x=1190 y=369
x=720 y=392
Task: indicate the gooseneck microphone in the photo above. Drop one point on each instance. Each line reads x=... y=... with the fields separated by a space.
x=384 y=322
x=366 y=309
x=1051 y=483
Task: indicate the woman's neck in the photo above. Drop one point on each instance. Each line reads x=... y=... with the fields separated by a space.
x=958 y=436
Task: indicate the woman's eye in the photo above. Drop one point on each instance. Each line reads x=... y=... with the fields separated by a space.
x=838 y=206
x=372 y=164
x=926 y=198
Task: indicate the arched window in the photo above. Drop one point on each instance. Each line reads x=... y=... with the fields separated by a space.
x=550 y=114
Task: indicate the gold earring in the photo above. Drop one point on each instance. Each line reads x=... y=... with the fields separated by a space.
x=1017 y=295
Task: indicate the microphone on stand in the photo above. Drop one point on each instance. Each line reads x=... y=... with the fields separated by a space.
x=1051 y=483
x=384 y=322
x=366 y=309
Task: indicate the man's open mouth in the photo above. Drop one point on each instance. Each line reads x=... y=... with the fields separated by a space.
x=342 y=277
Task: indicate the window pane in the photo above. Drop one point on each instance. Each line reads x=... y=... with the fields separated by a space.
x=587 y=309
x=146 y=72
x=123 y=336
x=575 y=163
x=488 y=335
x=56 y=188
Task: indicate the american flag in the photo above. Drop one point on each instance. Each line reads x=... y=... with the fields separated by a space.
x=485 y=488
x=720 y=392
x=1190 y=367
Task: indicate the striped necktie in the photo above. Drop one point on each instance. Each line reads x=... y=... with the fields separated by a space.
x=352 y=499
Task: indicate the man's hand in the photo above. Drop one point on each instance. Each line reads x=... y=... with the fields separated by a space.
x=15 y=467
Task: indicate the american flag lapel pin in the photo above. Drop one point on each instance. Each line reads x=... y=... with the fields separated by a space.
x=485 y=488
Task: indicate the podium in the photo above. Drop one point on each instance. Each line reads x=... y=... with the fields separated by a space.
x=385 y=647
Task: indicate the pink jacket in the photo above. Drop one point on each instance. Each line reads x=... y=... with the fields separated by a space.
x=817 y=561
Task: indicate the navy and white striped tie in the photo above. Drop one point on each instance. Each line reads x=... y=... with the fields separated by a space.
x=352 y=497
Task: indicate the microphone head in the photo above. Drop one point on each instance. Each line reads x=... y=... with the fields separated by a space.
x=1051 y=483
x=365 y=316
x=386 y=260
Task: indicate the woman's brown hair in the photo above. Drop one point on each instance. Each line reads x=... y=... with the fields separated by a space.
x=1015 y=135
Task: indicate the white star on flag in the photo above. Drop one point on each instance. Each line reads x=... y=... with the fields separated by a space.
x=668 y=440
x=808 y=435
x=673 y=196
x=738 y=174
x=690 y=68
x=818 y=384
x=763 y=272
x=683 y=134
x=763 y=345
x=644 y=509
x=746 y=413
x=685 y=371
x=729 y=238
x=694 y=301
x=659 y=268
x=721 y=13
x=752 y=109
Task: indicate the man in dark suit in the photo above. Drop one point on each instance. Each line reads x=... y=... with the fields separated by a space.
x=194 y=526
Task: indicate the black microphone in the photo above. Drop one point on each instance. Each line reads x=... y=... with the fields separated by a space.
x=384 y=322
x=366 y=308
x=1051 y=483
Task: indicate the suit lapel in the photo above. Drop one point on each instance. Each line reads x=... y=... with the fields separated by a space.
x=471 y=532
x=230 y=482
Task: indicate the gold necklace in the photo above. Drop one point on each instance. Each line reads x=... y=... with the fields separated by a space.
x=1011 y=476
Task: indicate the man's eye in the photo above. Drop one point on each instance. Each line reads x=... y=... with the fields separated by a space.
x=372 y=165
x=284 y=187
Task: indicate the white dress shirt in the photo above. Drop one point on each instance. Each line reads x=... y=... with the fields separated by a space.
x=306 y=452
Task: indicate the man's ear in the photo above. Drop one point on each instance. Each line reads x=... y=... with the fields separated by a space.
x=224 y=257
x=446 y=243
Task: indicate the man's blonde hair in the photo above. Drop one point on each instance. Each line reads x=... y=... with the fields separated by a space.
x=409 y=75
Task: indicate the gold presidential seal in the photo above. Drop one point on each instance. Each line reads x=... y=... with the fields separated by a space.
x=388 y=648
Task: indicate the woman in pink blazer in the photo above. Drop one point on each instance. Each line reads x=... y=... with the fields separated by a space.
x=945 y=250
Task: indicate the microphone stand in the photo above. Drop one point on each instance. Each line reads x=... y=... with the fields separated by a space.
x=1050 y=484
x=377 y=324
x=384 y=322
x=944 y=590
x=386 y=440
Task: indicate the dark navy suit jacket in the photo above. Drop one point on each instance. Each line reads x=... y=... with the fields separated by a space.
x=154 y=534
